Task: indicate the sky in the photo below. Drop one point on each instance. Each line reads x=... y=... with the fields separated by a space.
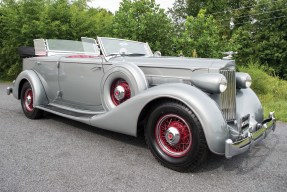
x=113 y=5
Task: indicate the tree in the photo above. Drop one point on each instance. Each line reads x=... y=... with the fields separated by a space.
x=143 y=20
x=178 y=14
x=201 y=36
x=266 y=39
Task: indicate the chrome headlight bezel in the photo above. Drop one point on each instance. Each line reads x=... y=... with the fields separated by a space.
x=243 y=80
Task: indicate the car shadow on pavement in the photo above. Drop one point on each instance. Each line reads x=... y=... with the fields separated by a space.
x=137 y=141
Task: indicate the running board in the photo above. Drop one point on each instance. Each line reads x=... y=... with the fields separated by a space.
x=78 y=116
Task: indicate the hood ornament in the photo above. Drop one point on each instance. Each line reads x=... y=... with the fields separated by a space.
x=229 y=55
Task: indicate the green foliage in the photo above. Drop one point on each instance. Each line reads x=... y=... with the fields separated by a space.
x=259 y=32
x=25 y=20
x=194 y=6
x=178 y=14
x=266 y=40
x=200 y=34
x=143 y=20
x=272 y=90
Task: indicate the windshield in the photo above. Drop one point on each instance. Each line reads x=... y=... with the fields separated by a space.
x=85 y=46
x=112 y=46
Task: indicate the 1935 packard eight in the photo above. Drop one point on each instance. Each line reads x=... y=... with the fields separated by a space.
x=184 y=106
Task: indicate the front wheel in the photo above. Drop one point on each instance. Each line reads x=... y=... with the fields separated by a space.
x=27 y=100
x=175 y=136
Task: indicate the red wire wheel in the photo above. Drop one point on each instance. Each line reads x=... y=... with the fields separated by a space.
x=28 y=100
x=120 y=91
x=173 y=135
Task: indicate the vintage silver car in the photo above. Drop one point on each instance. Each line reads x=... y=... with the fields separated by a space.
x=184 y=106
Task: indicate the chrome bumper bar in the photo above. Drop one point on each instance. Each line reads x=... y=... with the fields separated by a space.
x=238 y=147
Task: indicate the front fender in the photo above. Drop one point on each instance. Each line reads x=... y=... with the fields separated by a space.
x=247 y=102
x=124 y=118
x=39 y=93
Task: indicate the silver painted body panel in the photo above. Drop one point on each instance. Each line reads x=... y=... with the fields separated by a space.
x=80 y=82
x=76 y=85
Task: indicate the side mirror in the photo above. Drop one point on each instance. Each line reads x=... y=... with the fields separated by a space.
x=157 y=54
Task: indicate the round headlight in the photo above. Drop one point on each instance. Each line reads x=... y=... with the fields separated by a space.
x=248 y=83
x=223 y=84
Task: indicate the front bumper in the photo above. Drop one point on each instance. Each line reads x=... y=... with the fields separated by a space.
x=238 y=147
x=9 y=90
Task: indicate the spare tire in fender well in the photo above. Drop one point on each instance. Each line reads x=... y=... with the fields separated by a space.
x=131 y=74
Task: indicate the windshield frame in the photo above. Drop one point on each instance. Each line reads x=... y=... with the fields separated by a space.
x=104 y=52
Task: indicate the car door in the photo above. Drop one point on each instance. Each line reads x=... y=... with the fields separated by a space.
x=79 y=81
x=47 y=70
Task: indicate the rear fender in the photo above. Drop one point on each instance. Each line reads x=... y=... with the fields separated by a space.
x=124 y=118
x=31 y=76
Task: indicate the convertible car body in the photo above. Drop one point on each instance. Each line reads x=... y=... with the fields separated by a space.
x=184 y=106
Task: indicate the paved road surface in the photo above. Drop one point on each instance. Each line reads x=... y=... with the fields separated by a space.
x=57 y=154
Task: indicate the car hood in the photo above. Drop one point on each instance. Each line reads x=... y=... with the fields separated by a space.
x=175 y=62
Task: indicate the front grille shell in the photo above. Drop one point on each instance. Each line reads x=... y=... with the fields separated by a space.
x=228 y=97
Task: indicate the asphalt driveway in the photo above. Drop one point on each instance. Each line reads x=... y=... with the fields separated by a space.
x=57 y=154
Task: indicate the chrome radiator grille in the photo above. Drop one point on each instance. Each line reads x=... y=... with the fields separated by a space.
x=228 y=97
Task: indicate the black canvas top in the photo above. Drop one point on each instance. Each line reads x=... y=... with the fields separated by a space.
x=25 y=51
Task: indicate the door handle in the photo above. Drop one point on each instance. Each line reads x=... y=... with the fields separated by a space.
x=96 y=68
x=38 y=63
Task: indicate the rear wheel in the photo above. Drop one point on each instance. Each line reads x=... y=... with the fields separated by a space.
x=27 y=100
x=175 y=136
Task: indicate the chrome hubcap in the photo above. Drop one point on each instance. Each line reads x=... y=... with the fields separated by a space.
x=172 y=136
x=29 y=100
x=119 y=92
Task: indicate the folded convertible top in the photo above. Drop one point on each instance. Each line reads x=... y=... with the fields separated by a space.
x=25 y=51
